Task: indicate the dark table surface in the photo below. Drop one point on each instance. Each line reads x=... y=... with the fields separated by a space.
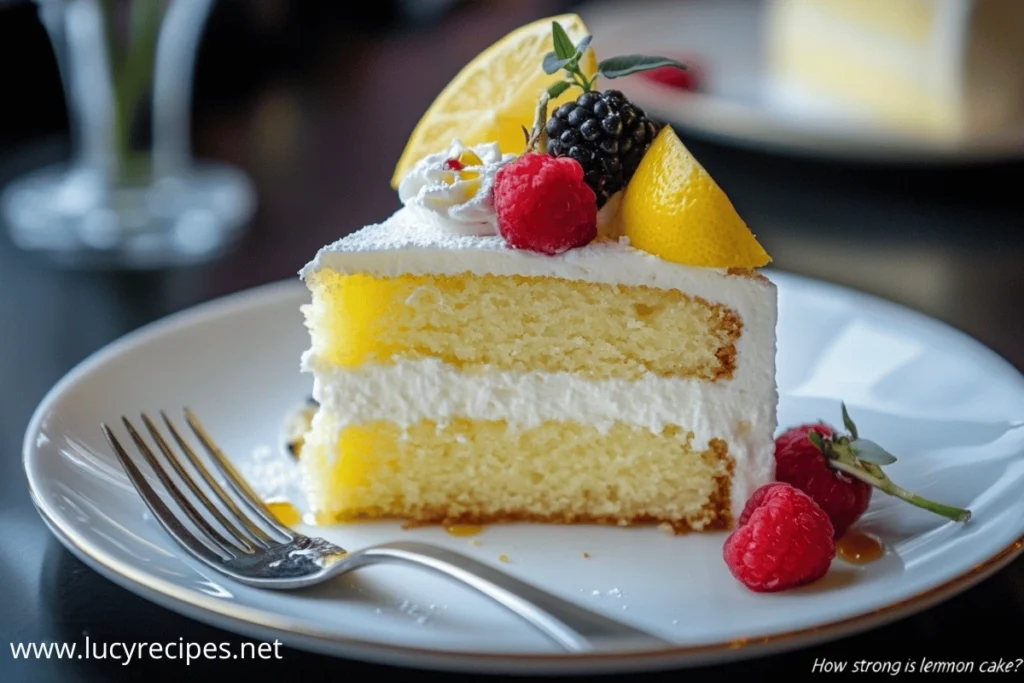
x=306 y=101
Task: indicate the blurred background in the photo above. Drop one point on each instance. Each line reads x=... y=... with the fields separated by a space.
x=874 y=143
x=311 y=103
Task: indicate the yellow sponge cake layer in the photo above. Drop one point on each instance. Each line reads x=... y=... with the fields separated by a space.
x=535 y=324
x=479 y=472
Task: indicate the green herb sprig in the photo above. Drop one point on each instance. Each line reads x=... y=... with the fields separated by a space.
x=863 y=459
x=566 y=57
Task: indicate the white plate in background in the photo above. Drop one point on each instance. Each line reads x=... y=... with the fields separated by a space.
x=735 y=105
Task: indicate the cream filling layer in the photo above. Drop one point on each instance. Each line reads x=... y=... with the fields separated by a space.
x=741 y=412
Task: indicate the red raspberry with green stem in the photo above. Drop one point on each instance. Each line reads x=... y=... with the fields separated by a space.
x=856 y=464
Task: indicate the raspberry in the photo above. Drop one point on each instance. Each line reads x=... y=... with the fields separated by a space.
x=783 y=540
x=690 y=79
x=544 y=205
x=799 y=462
x=454 y=165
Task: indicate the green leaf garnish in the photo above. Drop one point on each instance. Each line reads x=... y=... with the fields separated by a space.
x=563 y=46
x=552 y=64
x=847 y=422
x=558 y=88
x=862 y=459
x=869 y=451
x=617 y=67
x=567 y=56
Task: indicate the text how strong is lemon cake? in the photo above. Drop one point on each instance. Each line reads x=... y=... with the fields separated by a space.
x=533 y=337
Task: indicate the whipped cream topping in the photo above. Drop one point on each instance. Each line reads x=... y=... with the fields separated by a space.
x=456 y=200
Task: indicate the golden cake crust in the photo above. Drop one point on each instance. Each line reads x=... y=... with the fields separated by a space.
x=749 y=273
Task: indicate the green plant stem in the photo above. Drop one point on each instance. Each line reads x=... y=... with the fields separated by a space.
x=886 y=485
x=537 y=141
x=580 y=79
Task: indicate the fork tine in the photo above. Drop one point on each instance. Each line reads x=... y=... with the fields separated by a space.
x=239 y=537
x=244 y=519
x=167 y=519
x=234 y=480
x=179 y=498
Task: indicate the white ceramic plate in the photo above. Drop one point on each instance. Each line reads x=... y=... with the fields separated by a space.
x=737 y=103
x=950 y=408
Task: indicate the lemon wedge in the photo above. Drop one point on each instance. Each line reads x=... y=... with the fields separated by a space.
x=496 y=94
x=674 y=209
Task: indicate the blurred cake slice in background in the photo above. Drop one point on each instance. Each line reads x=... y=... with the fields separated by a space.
x=945 y=69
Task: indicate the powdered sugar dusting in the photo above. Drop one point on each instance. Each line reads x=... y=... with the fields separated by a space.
x=406 y=245
x=273 y=475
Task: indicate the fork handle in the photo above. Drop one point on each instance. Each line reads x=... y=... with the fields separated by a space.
x=573 y=627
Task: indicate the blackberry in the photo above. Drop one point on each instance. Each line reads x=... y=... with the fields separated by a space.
x=606 y=133
x=602 y=130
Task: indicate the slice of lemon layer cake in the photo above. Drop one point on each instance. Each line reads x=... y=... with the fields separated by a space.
x=501 y=349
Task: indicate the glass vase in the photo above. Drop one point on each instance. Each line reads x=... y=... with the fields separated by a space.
x=131 y=195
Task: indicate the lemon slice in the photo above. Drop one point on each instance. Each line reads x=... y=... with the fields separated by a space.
x=674 y=209
x=496 y=94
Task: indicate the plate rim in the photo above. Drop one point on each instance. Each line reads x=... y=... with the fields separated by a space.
x=568 y=663
x=245 y=619
x=777 y=134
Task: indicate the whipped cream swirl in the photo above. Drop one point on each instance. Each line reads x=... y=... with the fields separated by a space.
x=457 y=198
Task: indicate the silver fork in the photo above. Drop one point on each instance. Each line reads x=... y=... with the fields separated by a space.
x=252 y=547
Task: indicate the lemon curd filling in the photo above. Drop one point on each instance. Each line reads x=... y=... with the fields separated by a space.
x=520 y=323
